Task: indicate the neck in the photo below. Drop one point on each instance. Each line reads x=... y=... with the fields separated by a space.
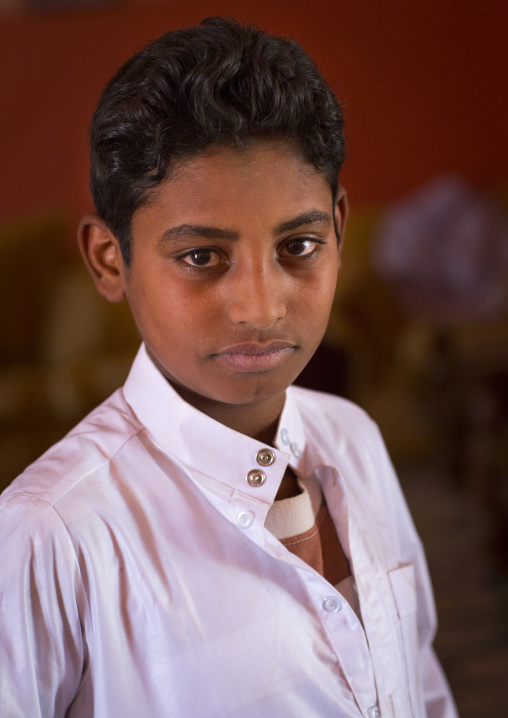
x=259 y=421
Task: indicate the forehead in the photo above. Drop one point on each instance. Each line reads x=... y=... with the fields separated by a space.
x=265 y=180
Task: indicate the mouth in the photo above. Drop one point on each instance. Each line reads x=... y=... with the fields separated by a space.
x=255 y=357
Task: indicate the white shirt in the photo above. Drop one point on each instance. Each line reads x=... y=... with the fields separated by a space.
x=138 y=579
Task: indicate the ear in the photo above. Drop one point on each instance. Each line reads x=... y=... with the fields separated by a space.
x=341 y=212
x=103 y=258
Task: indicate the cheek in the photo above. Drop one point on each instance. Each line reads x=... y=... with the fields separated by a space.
x=153 y=312
x=318 y=295
x=178 y=321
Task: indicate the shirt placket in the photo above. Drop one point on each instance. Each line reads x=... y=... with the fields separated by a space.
x=380 y=620
x=349 y=637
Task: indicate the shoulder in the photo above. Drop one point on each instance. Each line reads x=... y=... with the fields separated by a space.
x=91 y=444
x=31 y=529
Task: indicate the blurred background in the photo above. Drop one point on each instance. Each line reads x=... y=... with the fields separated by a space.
x=419 y=330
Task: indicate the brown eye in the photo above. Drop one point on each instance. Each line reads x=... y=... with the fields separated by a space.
x=201 y=258
x=300 y=247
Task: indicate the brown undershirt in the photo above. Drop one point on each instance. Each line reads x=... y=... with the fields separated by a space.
x=300 y=520
x=318 y=544
x=320 y=548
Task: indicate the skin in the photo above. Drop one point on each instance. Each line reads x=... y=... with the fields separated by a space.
x=233 y=271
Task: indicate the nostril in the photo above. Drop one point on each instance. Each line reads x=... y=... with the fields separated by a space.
x=256 y=311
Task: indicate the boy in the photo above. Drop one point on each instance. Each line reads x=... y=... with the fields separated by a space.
x=211 y=541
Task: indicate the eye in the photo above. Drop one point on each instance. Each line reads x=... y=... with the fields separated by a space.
x=201 y=258
x=303 y=247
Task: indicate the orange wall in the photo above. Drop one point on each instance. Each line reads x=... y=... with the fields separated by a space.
x=423 y=82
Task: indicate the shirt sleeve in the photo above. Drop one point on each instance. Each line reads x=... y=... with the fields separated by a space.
x=43 y=655
x=436 y=694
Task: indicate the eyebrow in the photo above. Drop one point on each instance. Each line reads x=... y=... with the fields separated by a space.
x=182 y=232
x=313 y=216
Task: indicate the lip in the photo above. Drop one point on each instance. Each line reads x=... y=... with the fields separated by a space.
x=255 y=357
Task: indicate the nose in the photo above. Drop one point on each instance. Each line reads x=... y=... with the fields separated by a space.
x=257 y=296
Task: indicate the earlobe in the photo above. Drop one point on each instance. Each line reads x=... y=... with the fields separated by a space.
x=102 y=256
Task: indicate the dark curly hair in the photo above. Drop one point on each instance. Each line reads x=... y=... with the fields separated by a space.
x=217 y=83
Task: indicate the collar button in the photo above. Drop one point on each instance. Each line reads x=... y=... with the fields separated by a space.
x=256 y=477
x=265 y=457
x=297 y=452
x=284 y=436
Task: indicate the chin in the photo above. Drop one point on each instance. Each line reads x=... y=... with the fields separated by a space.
x=259 y=389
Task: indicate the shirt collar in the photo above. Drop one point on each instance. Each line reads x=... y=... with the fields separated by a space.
x=205 y=445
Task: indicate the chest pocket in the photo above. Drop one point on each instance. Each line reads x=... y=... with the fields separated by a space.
x=402 y=582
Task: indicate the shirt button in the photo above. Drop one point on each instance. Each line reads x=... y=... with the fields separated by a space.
x=245 y=519
x=265 y=457
x=284 y=435
x=373 y=712
x=296 y=450
x=332 y=605
x=256 y=477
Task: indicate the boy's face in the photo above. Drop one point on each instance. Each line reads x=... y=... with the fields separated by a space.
x=233 y=271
